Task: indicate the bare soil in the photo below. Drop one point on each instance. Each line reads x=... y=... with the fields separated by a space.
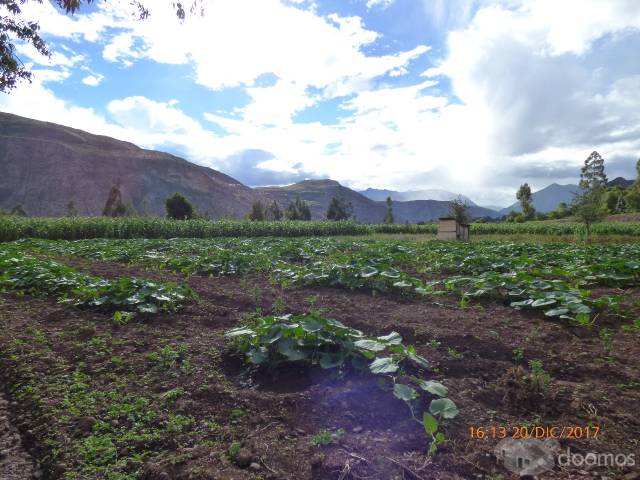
x=268 y=421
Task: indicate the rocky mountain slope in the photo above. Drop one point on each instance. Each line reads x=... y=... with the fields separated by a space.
x=320 y=192
x=45 y=166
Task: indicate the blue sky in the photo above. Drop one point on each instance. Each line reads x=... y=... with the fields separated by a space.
x=472 y=96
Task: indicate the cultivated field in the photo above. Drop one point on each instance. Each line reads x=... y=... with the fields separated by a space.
x=315 y=357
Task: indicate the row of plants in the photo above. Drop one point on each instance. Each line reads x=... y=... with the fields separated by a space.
x=37 y=276
x=269 y=342
x=74 y=228
x=554 y=278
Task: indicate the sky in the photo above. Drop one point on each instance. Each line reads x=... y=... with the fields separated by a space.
x=471 y=96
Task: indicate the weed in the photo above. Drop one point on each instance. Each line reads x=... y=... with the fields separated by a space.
x=539 y=376
x=234 y=450
x=168 y=357
x=327 y=437
x=173 y=394
x=453 y=353
x=518 y=355
x=606 y=336
x=237 y=414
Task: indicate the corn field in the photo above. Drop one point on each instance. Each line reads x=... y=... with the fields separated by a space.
x=76 y=228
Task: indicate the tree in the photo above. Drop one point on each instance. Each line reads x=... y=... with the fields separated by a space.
x=632 y=198
x=114 y=206
x=339 y=209
x=258 y=212
x=13 y=27
x=178 y=207
x=524 y=197
x=71 y=209
x=388 y=217
x=459 y=209
x=298 y=210
x=561 y=211
x=275 y=212
x=588 y=202
x=614 y=200
x=18 y=211
x=592 y=174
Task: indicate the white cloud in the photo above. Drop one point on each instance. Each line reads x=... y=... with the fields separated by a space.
x=93 y=80
x=57 y=58
x=35 y=100
x=379 y=3
x=536 y=84
x=230 y=48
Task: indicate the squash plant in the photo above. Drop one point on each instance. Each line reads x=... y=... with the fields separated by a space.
x=270 y=341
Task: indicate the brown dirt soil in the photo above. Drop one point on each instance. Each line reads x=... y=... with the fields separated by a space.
x=481 y=353
x=15 y=462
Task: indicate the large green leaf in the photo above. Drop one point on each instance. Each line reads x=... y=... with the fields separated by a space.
x=258 y=356
x=383 y=365
x=543 y=302
x=370 y=345
x=430 y=423
x=331 y=360
x=239 y=332
x=290 y=349
x=443 y=407
x=435 y=388
x=418 y=359
x=393 y=338
x=404 y=392
x=311 y=325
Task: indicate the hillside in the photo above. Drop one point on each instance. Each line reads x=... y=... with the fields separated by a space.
x=620 y=182
x=319 y=193
x=428 y=210
x=45 y=166
x=547 y=199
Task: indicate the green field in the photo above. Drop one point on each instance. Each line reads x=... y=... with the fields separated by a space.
x=14 y=228
x=185 y=357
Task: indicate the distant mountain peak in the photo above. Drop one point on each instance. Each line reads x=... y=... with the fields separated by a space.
x=411 y=195
x=547 y=199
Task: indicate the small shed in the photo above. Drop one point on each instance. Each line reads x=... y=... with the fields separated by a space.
x=450 y=229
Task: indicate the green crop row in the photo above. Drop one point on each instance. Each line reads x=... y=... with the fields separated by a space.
x=14 y=228
x=33 y=275
x=555 y=278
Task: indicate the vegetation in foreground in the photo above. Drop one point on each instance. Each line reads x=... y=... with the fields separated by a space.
x=77 y=228
x=171 y=396
x=560 y=280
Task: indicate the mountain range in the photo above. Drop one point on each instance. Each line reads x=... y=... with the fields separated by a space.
x=47 y=166
x=381 y=195
x=547 y=199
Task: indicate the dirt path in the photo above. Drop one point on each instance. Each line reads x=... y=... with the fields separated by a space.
x=15 y=462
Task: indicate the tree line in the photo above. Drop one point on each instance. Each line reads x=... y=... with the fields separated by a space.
x=594 y=199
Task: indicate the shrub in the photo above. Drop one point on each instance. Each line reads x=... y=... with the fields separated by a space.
x=178 y=207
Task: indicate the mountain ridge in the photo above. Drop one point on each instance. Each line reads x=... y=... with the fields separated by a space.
x=381 y=195
x=47 y=165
